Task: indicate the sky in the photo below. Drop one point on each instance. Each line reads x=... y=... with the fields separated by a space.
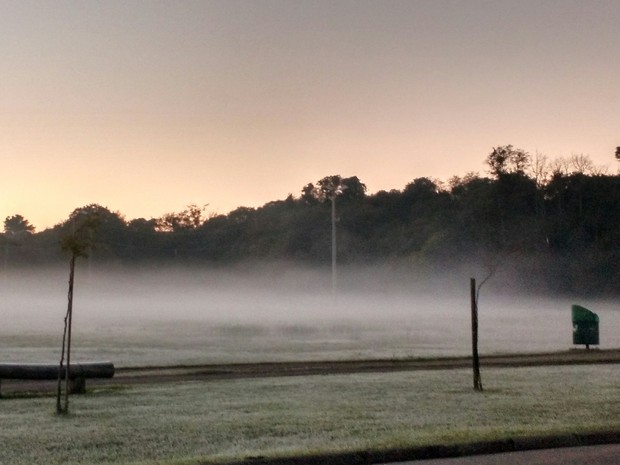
x=146 y=106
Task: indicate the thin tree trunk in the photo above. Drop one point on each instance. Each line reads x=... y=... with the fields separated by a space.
x=474 y=336
x=66 y=346
x=60 y=366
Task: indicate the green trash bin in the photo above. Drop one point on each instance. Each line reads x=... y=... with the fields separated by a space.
x=585 y=326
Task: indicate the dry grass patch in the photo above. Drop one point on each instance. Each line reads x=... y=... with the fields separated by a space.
x=193 y=422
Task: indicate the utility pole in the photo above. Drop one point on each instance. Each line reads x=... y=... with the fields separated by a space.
x=6 y=260
x=333 y=199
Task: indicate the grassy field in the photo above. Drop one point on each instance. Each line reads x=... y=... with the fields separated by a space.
x=216 y=421
x=199 y=342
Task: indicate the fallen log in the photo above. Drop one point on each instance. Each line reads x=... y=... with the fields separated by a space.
x=78 y=372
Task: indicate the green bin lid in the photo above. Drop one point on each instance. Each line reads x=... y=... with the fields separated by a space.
x=583 y=314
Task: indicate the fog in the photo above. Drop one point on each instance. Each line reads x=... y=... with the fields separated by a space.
x=159 y=316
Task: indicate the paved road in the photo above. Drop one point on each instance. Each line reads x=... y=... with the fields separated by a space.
x=590 y=455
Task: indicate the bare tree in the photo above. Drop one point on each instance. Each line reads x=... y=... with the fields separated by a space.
x=540 y=169
x=576 y=164
x=581 y=163
x=560 y=165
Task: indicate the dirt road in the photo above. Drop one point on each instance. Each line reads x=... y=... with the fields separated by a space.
x=250 y=370
x=144 y=375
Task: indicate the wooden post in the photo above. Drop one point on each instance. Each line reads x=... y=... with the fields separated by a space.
x=474 y=336
x=70 y=317
x=78 y=385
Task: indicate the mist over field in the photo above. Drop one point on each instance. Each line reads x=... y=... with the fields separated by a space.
x=258 y=312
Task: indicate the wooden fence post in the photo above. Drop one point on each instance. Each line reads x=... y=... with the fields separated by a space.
x=474 y=336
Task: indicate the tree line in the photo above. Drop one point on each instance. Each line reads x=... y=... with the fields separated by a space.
x=553 y=224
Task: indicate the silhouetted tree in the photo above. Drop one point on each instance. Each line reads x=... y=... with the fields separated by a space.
x=309 y=194
x=329 y=187
x=17 y=225
x=352 y=188
x=506 y=159
x=142 y=225
x=190 y=218
x=18 y=232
